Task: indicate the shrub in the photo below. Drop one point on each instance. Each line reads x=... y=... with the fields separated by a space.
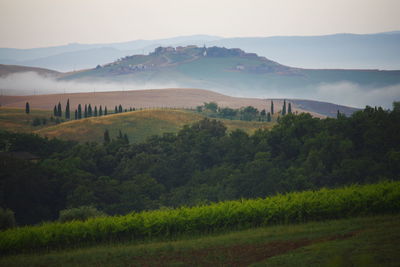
x=36 y=122
x=7 y=219
x=80 y=214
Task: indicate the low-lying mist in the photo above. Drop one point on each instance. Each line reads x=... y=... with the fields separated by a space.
x=343 y=93
x=31 y=83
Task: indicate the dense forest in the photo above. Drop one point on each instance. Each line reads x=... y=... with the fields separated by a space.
x=200 y=164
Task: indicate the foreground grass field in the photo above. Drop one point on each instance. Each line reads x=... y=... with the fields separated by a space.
x=381 y=198
x=138 y=125
x=364 y=241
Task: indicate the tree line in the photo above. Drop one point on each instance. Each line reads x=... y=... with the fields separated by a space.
x=248 y=113
x=202 y=163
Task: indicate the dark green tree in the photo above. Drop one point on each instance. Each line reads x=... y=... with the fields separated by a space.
x=289 y=111
x=105 y=110
x=263 y=114
x=272 y=107
x=86 y=111
x=90 y=111
x=116 y=109
x=100 y=111
x=76 y=114
x=27 y=109
x=120 y=108
x=67 y=111
x=212 y=106
x=79 y=112
x=269 y=117
x=95 y=111
x=126 y=139
x=59 y=111
x=55 y=113
x=106 y=137
x=284 y=107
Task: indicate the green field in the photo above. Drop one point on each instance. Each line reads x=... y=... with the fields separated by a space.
x=138 y=125
x=346 y=202
x=363 y=241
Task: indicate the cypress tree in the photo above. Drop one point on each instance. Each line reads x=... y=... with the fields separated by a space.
x=27 y=108
x=269 y=117
x=105 y=110
x=55 y=111
x=86 y=111
x=284 y=107
x=100 y=111
x=120 y=108
x=76 y=114
x=289 y=111
x=126 y=139
x=79 y=112
x=106 y=137
x=272 y=107
x=116 y=109
x=90 y=111
x=95 y=111
x=67 y=112
x=59 y=111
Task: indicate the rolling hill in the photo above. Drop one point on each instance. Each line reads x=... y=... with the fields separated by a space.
x=356 y=51
x=234 y=72
x=138 y=125
x=6 y=70
x=168 y=98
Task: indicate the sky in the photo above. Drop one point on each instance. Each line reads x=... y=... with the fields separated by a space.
x=42 y=23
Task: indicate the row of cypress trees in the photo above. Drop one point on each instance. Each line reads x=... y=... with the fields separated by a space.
x=284 y=111
x=82 y=112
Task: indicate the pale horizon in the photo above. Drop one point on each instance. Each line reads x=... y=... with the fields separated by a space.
x=45 y=23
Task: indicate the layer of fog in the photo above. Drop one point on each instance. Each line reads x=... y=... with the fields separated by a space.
x=343 y=93
x=31 y=83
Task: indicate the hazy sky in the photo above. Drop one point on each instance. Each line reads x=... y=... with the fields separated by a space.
x=37 y=23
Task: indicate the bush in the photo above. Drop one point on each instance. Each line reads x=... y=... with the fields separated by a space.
x=36 y=122
x=7 y=219
x=80 y=214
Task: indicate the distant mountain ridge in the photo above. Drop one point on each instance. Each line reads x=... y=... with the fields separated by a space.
x=356 y=51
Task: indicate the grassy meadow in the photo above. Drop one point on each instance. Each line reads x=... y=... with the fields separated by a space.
x=138 y=125
x=16 y=120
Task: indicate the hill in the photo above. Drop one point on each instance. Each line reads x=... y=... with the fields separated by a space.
x=235 y=72
x=138 y=125
x=12 y=69
x=356 y=51
x=171 y=98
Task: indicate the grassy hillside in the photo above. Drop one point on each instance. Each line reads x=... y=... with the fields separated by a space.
x=367 y=241
x=138 y=125
x=16 y=120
